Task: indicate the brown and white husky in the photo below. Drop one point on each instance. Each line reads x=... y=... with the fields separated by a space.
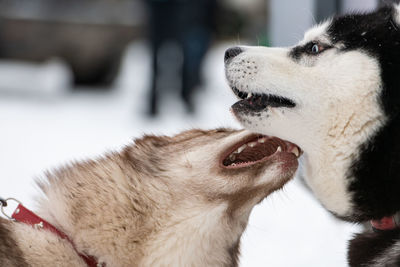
x=162 y=201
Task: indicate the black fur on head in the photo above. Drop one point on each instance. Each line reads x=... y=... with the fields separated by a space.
x=375 y=174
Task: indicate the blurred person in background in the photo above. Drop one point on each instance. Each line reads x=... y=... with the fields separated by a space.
x=188 y=24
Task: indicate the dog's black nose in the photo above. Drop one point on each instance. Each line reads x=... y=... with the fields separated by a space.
x=232 y=52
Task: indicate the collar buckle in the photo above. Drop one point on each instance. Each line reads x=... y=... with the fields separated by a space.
x=4 y=203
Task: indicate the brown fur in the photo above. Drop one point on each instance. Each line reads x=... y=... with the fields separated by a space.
x=10 y=253
x=163 y=201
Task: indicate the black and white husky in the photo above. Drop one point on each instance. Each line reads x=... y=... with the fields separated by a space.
x=336 y=95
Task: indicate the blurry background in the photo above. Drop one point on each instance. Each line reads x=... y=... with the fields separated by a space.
x=79 y=77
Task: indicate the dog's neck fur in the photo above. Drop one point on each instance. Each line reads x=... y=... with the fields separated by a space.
x=328 y=159
x=121 y=229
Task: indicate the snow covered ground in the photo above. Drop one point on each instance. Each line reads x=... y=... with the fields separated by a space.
x=38 y=132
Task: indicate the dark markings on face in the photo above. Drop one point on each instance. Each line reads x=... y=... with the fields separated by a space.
x=378 y=35
x=312 y=48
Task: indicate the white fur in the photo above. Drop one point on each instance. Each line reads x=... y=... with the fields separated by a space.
x=337 y=109
x=317 y=33
x=397 y=13
x=40 y=246
x=190 y=232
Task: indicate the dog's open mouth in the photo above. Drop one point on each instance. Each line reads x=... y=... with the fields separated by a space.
x=259 y=102
x=255 y=149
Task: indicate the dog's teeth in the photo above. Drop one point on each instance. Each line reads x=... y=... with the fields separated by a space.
x=279 y=149
x=233 y=164
x=295 y=151
x=249 y=95
x=240 y=149
x=232 y=157
x=252 y=144
x=262 y=140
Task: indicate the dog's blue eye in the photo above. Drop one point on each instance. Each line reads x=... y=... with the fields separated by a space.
x=315 y=49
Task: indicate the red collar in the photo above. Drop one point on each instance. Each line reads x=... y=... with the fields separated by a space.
x=23 y=215
x=387 y=223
